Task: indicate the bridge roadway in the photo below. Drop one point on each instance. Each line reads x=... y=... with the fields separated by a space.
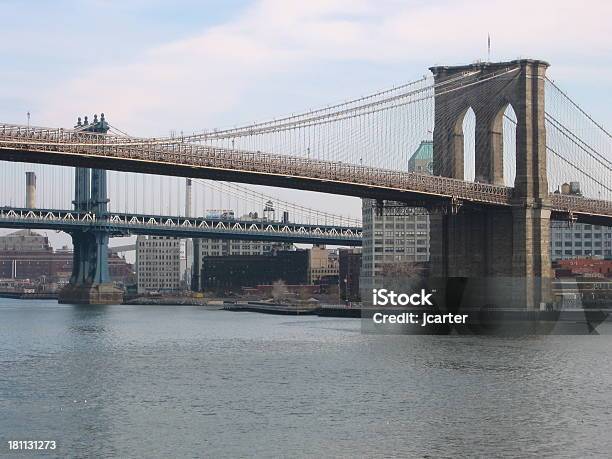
x=120 y=224
x=173 y=157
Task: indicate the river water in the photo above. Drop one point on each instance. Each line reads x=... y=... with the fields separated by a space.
x=157 y=381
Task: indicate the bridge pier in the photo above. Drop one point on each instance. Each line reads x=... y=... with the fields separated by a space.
x=90 y=282
x=492 y=257
x=487 y=255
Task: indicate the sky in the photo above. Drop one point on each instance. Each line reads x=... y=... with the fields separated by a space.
x=158 y=66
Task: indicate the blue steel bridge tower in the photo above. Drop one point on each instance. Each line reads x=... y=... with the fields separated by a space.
x=90 y=281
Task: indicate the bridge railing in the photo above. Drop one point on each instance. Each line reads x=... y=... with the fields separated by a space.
x=177 y=153
x=579 y=204
x=66 y=217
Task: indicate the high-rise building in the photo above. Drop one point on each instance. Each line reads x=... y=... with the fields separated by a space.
x=158 y=264
x=395 y=237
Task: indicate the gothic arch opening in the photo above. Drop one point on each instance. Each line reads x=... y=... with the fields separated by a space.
x=509 y=136
x=467 y=126
x=503 y=146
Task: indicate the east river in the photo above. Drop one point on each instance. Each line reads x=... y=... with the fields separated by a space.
x=180 y=381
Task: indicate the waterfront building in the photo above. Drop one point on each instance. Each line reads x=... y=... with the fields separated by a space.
x=397 y=234
x=230 y=273
x=204 y=247
x=322 y=265
x=25 y=254
x=349 y=266
x=578 y=240
x=24 y=241
x=158 y=264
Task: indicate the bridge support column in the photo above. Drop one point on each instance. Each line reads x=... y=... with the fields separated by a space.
x=531 y=263
x=471 y=254
x=90 y=282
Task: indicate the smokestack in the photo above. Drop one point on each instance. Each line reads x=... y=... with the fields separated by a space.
x=190 y=261
x=30 y=190
x=188 y=198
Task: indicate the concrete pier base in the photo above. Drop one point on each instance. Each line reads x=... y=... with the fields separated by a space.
x=91 y=294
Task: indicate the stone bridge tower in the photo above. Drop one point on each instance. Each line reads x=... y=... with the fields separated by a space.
x=493 y=255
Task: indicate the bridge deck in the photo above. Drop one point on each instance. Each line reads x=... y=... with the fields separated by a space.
x=122 y=224
x=166 y=157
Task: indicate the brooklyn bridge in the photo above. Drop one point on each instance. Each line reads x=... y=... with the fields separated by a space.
x=490 y=210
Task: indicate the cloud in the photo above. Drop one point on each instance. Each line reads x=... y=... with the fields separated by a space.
x=194 y=82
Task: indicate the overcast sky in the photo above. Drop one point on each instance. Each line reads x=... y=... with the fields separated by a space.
x=156 y=66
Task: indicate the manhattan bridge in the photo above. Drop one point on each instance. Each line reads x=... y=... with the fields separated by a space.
x=505 y=138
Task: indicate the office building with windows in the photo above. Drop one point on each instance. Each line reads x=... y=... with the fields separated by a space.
x=395 y=237
x=580 y=240
x=158 y=264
